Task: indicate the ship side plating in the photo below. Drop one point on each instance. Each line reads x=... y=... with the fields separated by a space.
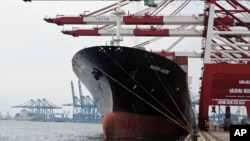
x=138 y=93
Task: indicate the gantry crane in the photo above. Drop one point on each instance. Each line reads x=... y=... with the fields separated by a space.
x=76 y=103
x=89 y=111
x=223 y=28
x=40 y=107
x=226 y=58
x=84 y=108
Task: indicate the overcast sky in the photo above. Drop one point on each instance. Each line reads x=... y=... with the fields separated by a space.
x=35 y=57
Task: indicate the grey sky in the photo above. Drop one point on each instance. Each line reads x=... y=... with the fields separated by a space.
x=35 y=57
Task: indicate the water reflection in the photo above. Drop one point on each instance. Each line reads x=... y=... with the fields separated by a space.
x=100 y=138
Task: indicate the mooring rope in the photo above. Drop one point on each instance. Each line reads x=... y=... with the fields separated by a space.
x=171 y=97
x=180 y=122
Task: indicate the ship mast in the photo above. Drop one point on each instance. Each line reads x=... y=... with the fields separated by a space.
x=118 y=12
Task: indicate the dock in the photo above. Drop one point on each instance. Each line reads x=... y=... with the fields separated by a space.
x=217 y=135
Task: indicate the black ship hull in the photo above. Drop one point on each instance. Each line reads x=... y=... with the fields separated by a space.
x=138 y=93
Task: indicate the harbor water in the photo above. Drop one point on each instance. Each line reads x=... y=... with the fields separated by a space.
x=11 y=130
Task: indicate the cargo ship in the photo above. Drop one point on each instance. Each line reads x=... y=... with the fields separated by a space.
x=140 y=94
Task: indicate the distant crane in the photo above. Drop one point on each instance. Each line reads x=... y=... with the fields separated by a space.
x=224 y=32
x=89 y=110
x=84 y=109
x=40 y=107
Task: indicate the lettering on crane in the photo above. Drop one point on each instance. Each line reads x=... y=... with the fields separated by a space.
x=102 y=18
x=244 y=81
x=239 y=90
x=230 y=102
x=111 y=31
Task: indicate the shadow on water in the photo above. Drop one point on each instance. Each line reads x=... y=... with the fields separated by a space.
x=146 y=139
x=100 y=138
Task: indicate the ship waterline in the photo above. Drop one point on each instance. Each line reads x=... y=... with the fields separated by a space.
x=138 y=93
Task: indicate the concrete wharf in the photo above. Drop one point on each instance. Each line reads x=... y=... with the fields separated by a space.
x=212 y=135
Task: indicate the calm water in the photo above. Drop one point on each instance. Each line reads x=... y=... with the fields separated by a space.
x=11 y=130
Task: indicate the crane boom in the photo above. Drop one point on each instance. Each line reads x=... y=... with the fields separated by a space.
x=143 y=20
x=188 y=54
x=135 y=32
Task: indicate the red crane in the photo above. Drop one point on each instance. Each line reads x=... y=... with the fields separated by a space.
x=225 y=35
